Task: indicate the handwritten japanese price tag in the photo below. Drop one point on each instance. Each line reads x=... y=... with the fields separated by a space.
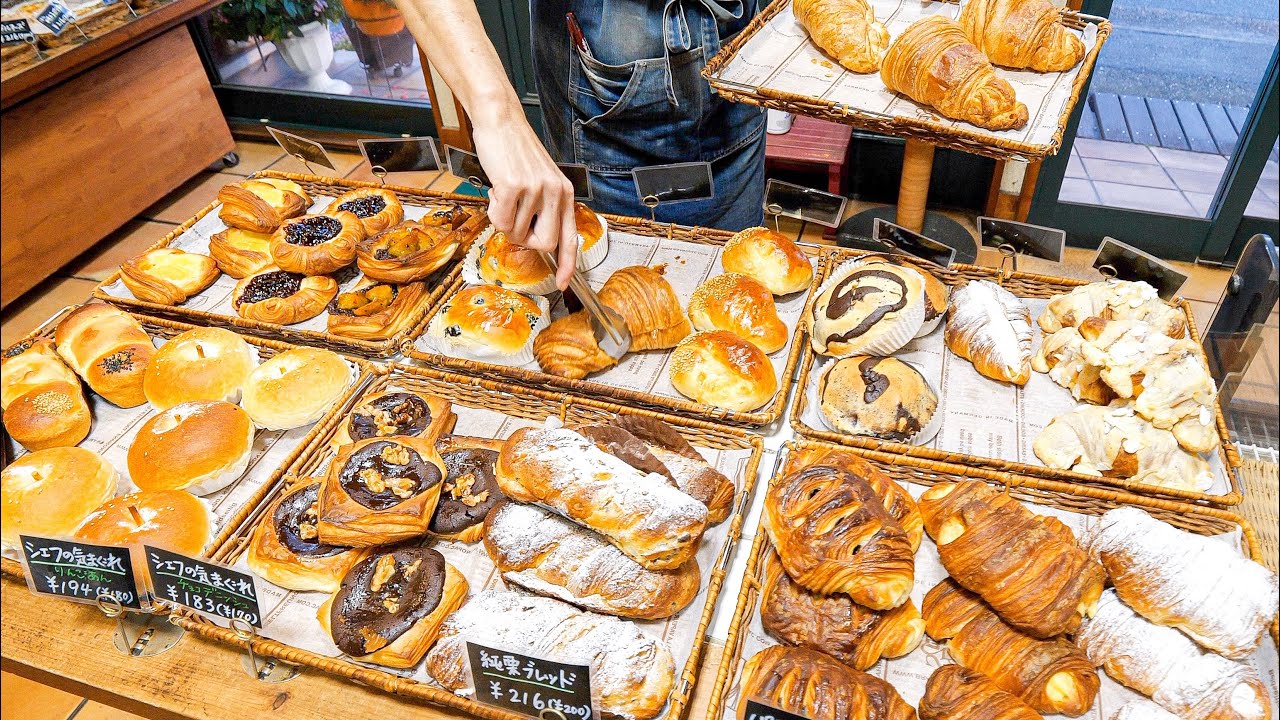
x=13 y=32
x=756 y=710
x=56 y=16
x=206 y=587
x=79 y=571
x=531 y=686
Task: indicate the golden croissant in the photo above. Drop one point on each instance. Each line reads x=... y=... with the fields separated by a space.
x=1023 y=34
x=649 y=306
x=958 y=693
x=846 y=29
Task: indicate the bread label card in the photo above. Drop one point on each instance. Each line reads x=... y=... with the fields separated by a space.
x=804 y=203
x=13 y=32
x=408 y=154
x=466 y=165
x=1126 y=262
x=79 y=571
x=1025 y=239
x=677 y=182
x=581 y=179
x=899 y=240
x=531 y=686
x=206 y=587
x=756 y=710
x=56 y=16
x=309 y=151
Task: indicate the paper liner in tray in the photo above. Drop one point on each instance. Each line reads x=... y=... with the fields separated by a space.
x=908 y=674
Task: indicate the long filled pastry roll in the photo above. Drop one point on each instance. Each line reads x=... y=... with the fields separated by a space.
x=958 y=693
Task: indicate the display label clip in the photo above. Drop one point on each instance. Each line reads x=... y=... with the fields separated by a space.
x=537 y=687
x=206 y=587
x=306 y=151
x=897 y=239
x=1125 y=262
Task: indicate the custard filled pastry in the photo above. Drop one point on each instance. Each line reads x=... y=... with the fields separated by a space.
x=649 y=306
x=42 y=399
x=260 y=205
x=285 y=549
x=276 y=296
x=240 y=253
x=1022 y=34
x=470 y=488
x=397 y=412
x=407 y=252
x=489 y=323
x=721 y=369
x=958 y=693
x=498 y=261
x=380 y=491
x=317 y=244
x=377 y=208
x=742 y=306
x=389 y=608
x=168 y=276
x=374 y=310
x=815 y=685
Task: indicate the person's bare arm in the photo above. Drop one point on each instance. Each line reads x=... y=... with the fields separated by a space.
x=531 y=200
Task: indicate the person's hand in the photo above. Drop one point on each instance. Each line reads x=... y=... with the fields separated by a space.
x=530 y=199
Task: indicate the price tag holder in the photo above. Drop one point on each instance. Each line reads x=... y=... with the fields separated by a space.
x=678 y=182
x=756 y=710
x=804 y=203
x=581 y=179
x=16 y=32
x=79 y=571
x=466 y=165
x=1025 y=239
x=1129 y=263
x=206 y=587
x=897 y=239
x=411 y=154
x=56 y=16
x=531 y=686
x=308 y=151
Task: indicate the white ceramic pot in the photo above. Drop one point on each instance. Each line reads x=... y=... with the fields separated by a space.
x=310 y=56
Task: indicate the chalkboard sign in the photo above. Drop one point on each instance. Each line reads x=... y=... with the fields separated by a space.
x=466 y=165
x=756 y=710
x=56 y=16
x=1025 y=239
x=79 y=571
x=677 y=182
x=1130 y=263
x=412 y=154
x=14 y=32
x=203 y=586
x=897 y=239
x=531 y=686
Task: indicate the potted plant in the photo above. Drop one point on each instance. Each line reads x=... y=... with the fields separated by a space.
x=375 y=17
x=299 y=29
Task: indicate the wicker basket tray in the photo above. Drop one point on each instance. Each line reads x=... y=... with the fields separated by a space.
x=920 y=123
x=509 y=405
x=1025 y=285
x=113 y=291
x=100 y=21
x=227 y=527
x=597 y=386
x=1073 y=499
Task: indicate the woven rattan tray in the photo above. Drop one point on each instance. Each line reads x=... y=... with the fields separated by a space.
x=925 y=126
x=924 y=472
x=1026 y=285
x=521 y=404
x=597 y=388
x=315 y=186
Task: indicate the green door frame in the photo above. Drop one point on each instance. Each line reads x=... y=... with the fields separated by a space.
x=1174 y=237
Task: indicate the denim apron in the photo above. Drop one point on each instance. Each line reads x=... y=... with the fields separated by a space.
x=638 y=99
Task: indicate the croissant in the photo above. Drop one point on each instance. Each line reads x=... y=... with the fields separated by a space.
x=568 y=348
x=933 y=63
x=1199 y=585
x=1052 y=676
x=1167 y=666
x=1026 y=566
x=896 y=500
x=260 y=205
x=834 y=624
x=816 y=686
x=1021 y=34
x=991 y=328
x=845 y=29
x=1113 y=300
x=957 y=693
x=649 y=305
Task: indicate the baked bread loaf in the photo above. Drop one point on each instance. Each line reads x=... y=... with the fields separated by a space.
x=168 y=276
x=1168 y=667
x=935 y=291
x=498 y=261
x=548 y=555
x=834 y=624
x=1219 y=598
x=261 y=204
x=633 y=671
x=1022 y=34
x=317 y=244
x=377 y=208
x=50 y=492
x=108 y=349
x=199 y=364
x=414 y=251
x=816 y=686
x=380 y=491
x=470 y=488
x=1113 y=300
x=240 y=253
x=847 y=30
x=896 y=500
x=991 y=328
x=742 y=306
x=688 y=469
x=957 y=693
x=567 y=348
x=376 y=311
x=489 y=323
x=169 y=519
x=878 y=397
x=1027 y=567
x=41 y=397
x=200 y=446
x=295 y=388
x=835 y=536
x=272 y=295
x=770 y=258
x=650 y=521
x=649 y=306
x=396 y=412
x=721 y=369
x=285 y=548
x=933 y=63
x=1053 y=676
x=391 y=605
x=867 y=309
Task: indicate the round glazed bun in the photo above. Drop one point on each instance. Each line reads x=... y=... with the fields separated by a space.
x=879 y=397
x=721 y=369
x=867 y=309
x=200 y=446
x=769 y=257
x=741 y=305
x=169 y=519
x=295 y=388
x=201 y=364
x=486 y=322
x=499 y=261
x=50 y=492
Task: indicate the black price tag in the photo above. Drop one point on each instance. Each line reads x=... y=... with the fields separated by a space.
x=756 y=710
x=413 y=154
x=466 y=165
x=297 y=146
x=79 y=571
x=804 y=203
x=56 y=16
x=678 y=182
x=13 y=32
x=897 y=239
x=1130 y=263
x=1026 y=239
x=203 y=586
x=580 y=178
x=531 y=686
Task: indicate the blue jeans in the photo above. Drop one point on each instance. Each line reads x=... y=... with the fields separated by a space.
x=637 y=99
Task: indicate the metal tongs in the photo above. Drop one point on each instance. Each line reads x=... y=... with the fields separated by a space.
x=608 y=327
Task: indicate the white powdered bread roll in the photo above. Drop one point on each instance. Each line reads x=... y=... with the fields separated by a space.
x=1142 y=710
x=295 y=388
x=200 y=364
x=991 y=328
